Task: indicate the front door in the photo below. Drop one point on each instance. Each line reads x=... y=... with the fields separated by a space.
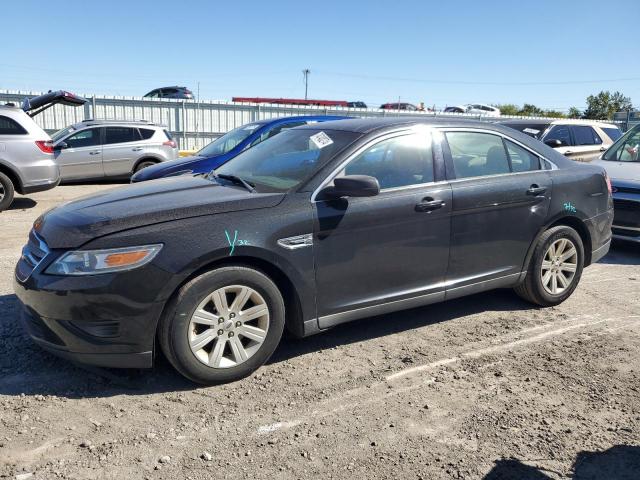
x=79 y=156
x=393 y=247
x=501 y=198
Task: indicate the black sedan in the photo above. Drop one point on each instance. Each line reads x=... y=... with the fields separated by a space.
x=317 y=226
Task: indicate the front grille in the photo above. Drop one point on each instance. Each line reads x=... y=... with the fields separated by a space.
x=33 y=253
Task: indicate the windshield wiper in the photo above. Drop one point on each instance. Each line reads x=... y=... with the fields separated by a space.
x=234 y=179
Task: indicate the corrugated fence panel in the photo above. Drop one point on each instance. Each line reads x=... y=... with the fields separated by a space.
x=193 y=124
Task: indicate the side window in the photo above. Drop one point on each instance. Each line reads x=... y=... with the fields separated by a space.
x=476 y=154
x=146 y=133
x=560 y=132
x=85 y=138
x=120 y=135
x=613 y=133
x=522 y=160
x=153 y=94
x=8 y=126
x=397 y=162
x=628 y=150
x=585 y=135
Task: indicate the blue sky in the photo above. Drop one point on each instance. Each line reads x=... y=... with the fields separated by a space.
x=550 y=53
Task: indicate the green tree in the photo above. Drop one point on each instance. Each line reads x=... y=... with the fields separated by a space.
x=530 y=110
x=605 y=104
x=553 y=114
x=574 y=113
x=508 y=109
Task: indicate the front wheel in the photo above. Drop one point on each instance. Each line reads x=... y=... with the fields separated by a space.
x=224 y=324
x=555 y=267
x=143 y=164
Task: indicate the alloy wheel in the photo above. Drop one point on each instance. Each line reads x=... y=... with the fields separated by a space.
x=229 y=326
x=559 y=266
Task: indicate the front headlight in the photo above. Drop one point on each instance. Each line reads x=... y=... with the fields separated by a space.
x=94 y=262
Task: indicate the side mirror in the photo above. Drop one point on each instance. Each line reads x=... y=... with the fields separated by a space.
x=61 y=146
x=554 y=143
x=352 y=186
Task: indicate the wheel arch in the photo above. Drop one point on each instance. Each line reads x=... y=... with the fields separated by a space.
x=13 y=176
x=570 y=221
x=291 y=297
x=146 y=158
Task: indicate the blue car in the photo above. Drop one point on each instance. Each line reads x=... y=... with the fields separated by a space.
x=226 y=147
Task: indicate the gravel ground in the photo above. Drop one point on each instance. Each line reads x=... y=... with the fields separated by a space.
x=481 y=387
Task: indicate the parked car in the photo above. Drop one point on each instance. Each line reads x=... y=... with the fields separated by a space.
x=26 y=156
x=108 y=148
x=476 y=109
x=356 y=105
x=171 y=92
x=399 y=106
x=622 y=163
x=579 y=140
x=227 y=146
x=319 y=225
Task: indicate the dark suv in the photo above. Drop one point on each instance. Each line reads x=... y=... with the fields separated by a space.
x=171 y=92
x=319 y=225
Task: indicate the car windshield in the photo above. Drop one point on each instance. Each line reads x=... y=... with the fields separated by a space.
x=287 y=159
x=626 y=148
x=229 y=140
x=62 y=133
x=534 y=130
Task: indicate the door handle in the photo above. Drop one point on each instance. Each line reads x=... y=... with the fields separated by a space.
x=429 y=205
x=568 y=152
x=602 y=149
x=136 y=149
x=536 y=190
x=95 y=152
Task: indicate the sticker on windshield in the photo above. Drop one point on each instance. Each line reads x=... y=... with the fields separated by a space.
x=321 y=140
x=250 y=127
x=533 y=131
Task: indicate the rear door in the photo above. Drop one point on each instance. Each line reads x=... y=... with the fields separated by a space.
x=501 y=198
x=123 y=147
x=79 y=156
x=587 y=144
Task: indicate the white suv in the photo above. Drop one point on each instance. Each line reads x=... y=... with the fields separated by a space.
x=110 y=148
x=27 y=164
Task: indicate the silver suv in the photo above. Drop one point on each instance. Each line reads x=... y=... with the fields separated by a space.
x=27 y=164
x=105 y=148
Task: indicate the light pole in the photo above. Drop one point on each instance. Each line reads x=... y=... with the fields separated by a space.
x=306 y=73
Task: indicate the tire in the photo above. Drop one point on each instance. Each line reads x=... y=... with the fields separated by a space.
x=144 y=164
x=7 y=192
x=538 y=288
x=185 y=340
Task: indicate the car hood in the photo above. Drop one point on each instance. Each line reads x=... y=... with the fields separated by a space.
x=75 y=223
x=167 y=168
x=626 y=171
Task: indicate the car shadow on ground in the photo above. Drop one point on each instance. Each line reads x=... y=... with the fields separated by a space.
x=620 y=462
x=22 y=203
x=622 y=253
x=25 y=368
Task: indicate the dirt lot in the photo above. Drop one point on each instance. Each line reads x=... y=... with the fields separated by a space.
x=483 y=387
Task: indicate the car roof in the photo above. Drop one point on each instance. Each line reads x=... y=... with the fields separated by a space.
x=301 y=118
x=94 y=123
x=366 y=125
x=558 y=121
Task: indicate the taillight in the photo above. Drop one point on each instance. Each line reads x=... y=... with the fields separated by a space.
x=45 y=145
x=170 y=143
x=608 y=180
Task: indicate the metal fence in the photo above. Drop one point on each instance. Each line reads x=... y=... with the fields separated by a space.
x=193 y=123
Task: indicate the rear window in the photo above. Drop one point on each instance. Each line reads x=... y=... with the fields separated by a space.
x=146 y=133
x=613 y=133
x=585 y=135
x=8 y=126
x=120 y=135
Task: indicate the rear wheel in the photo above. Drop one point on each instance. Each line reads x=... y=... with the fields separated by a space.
x=144 y=164
x=224 y=325
x=6 y=192
x=555 y=267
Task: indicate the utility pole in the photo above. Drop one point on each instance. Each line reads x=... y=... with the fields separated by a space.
x=306 y=73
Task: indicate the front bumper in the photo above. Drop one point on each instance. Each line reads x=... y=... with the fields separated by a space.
x=102 y=320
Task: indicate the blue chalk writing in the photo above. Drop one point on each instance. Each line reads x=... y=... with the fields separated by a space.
x=568 y=207
x=235 y=241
